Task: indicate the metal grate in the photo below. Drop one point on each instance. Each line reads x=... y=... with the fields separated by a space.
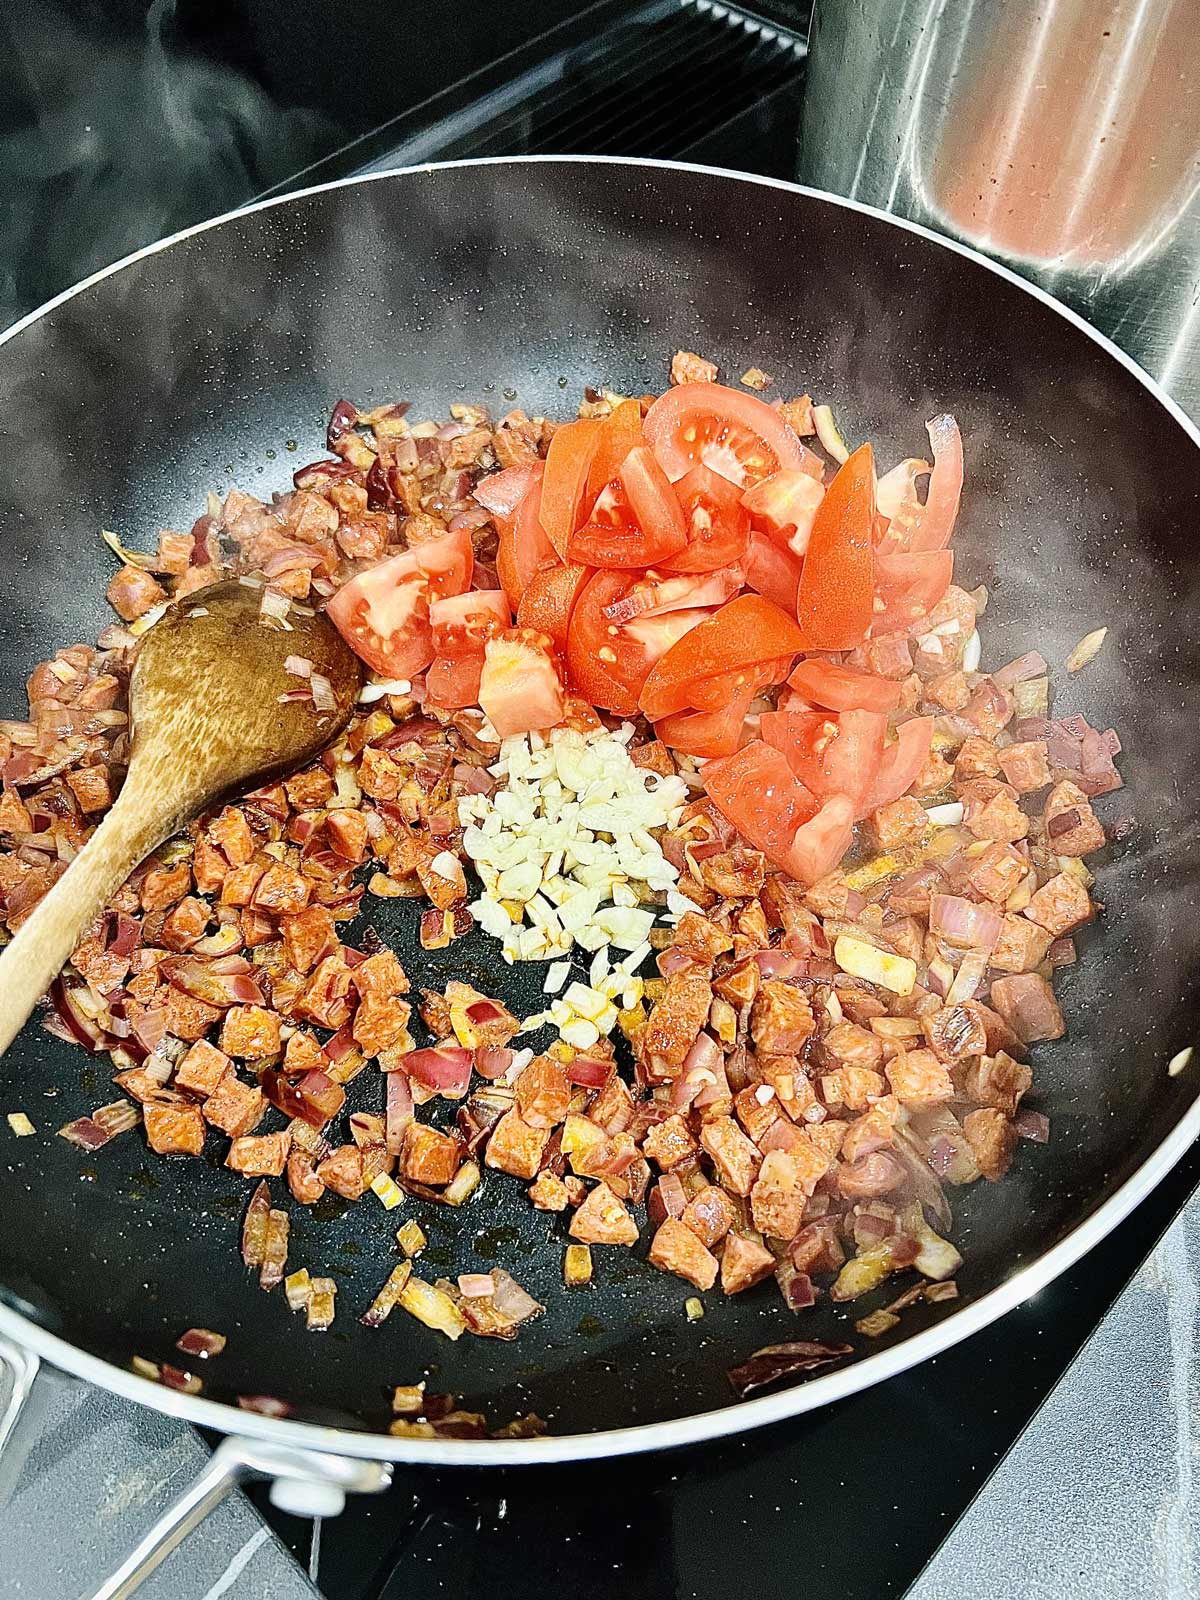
x=679 y=78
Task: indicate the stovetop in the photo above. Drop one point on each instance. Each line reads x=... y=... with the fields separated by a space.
x=854 y=1500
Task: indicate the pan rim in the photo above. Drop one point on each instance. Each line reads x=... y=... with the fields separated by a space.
x=737 y=1417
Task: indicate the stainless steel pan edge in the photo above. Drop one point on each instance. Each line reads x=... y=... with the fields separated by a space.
x=713 y=1424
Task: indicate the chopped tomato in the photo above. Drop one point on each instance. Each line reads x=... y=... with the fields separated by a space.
x=519 y=688
x=550 y=598
x=773 y=572
x=383 y=614
x=929 y=527
x=619 y=432
x=899 y=764
x=637 y=520
x=785 y=504
x=461 y=626
x=829 y=754
x=564 y=485
x=524 y=547
x=706 y=424
x=835 y=596
x=747 y=632
x=909 y=586
x=707 y=733
x=502 y=492
x=828 y=683
x=718 y=524
x=713 y=694
x=758 y=792
x=654 y=597
x=609 y=661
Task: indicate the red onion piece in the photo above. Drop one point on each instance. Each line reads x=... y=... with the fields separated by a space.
x=502 y=492
x=778 y=964
x=493 y=1061
x=964 y=923
x=589 y=1071
x=1032 y=1125
x=777 y=1361
x=446 y=1068
x=201 y=1342
x=1031 y=665
x=399 y=1111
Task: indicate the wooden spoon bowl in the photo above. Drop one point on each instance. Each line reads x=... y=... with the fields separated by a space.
x=210 y=716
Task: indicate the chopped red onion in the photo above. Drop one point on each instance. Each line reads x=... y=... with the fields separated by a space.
x=964 y=923
x=1032 y=1125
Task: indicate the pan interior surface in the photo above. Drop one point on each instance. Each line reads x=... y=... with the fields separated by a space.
x=215 y=362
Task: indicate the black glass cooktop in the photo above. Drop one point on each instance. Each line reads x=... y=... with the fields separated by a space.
x=125 y=119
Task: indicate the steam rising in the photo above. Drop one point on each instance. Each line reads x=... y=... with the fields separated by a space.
x=133 y=138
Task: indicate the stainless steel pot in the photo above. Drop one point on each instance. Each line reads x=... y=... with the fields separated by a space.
x=1062 y=136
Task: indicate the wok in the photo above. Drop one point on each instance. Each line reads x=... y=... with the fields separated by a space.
x=214 y=359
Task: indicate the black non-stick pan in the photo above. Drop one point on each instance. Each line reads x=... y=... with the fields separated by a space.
x=214 y=361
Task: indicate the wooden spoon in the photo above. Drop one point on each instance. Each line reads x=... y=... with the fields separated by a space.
x=207 y=721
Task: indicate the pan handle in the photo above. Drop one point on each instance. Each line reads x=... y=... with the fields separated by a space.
x=306 y=1483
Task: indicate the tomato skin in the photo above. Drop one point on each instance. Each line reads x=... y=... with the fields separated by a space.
x=899 y=764
x=747 y=632
x=524 y=547
x=520 y=688
x=772 y=572
x=608 y=662
x=757 y=792
x=785 y=504
x=564 y=483
x=834 y=602
x=829 y=754
x=910 y=585
x=734 y=434
x=383 y=613
x=549 y=600
x=717 y=522
x=619 y=432
x=839 y=688
x=707 y=733
x=934 y=523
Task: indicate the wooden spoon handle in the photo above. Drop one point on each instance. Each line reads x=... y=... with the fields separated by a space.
x=36 y=955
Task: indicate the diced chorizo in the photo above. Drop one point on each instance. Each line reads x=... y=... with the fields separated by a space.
x=342 y=1171
x=744 y=1262
x=733 y=1154
x=1026 y=1002
x=378 y=775
x=853 y=1046
x=306 y=1186
x=653 y=756
x=778 y=1197
x=235 y=1107
x=688 y=367
x=955 y=1032
x=515 y=1147
x=702 y=937
x=307 y=936
x=852 y=1087
x=996 y=872
x=669 y=1142
x=543 y=1093
x=976 y=758
x=604 y=1219
x=992 y=1138
x=999 y=818
x=676 y=1249
x=1021 y=947
x=281 y=890
x=901 y=822
x=1025 y=765
x=734 y=874
x=548 y=1192
x=251 y=1032
x=381 y=974
x=202 y=1069
x=185 y=924
x=259 y=1155
x=379 y=1023
x=326 y=999
x=781 y=1019
x=816 y=1152
x=174 y=1129
x=1072 y=827
x=443 y=880
x=162 y=887
x=871 y=1176
x=187 y=1017
x=710 y=1214
x=239 y=884
x=674 y=1023
x=132 y=592
x=310 y=789
x=1060 y=905
x=919 y=1079
x=872 y=1131
x=432 y=1157
x=790 y=1082
x=996 y=1081
x=91 y=789
x=209 y=866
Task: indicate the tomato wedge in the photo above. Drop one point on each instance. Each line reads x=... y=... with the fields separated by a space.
x=707 y=733
x=608 y=662
x=383 y=613
x=712 y=694
x=759 y=794
x=718 y=525
x=834 y=602
x=550 y=598
x=829 y=754
x=909 y=585
x=773 y=572
x=524 y=547
x=785 y=504
x=745 y=633
x=461 y=626
x=934 y=524
x=706 y=424
x=899 y=765
x=637 y=520
x=564 y=485
x=828 y=683
x=519 y=687
x=619 y=432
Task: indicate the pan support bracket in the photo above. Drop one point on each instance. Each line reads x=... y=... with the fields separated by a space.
x=307 y=1483
x=18 y=1369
